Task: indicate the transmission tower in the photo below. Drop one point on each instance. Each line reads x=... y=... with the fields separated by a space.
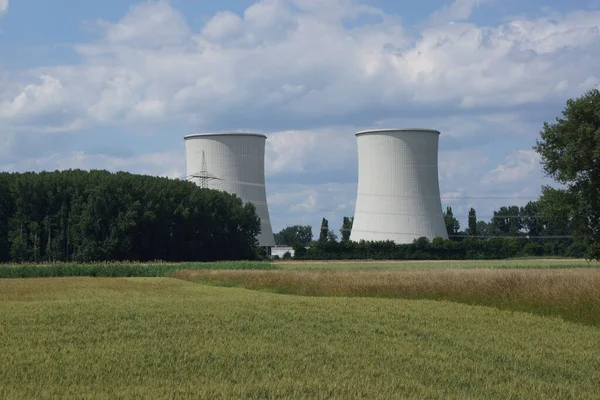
x=203 y=175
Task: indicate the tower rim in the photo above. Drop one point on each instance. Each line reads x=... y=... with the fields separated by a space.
x=195 y=135
x=376 y=131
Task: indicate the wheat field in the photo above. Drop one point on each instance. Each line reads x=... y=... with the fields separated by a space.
x=163 y=338
x=573 y=294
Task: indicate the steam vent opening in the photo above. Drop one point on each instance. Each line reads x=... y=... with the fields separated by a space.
x=234 y=163
x=398 y=196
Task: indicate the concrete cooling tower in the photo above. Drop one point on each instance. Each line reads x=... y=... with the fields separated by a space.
x=234 y=163
x=398 y=195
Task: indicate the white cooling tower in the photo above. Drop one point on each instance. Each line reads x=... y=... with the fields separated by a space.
x=234 y=163
x=398 y=195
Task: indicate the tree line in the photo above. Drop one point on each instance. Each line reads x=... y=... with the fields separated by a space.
x=439 y=249
x=512 y=232
x=96 y=215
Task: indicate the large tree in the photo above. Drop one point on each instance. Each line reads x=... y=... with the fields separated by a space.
x=533 y=220
x=472 y=230
x=324 y=235
x=452 y=224
x=346 y=229
x=570 y=154
x=508 y=221
x=292 y=235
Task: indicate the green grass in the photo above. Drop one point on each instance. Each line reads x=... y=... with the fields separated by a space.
x=121 y=269
x=522 y=263
x=166 y=338
x=163 y=269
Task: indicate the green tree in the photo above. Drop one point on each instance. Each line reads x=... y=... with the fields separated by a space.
x=570 y=153
x=324 y=235
x=297 y=234
x=452 y=224
x=331 y=236
x=507 y=221
x=346 y=229
x=472 y=231
x=555 y=210
x=486 y=229
x=533 y=221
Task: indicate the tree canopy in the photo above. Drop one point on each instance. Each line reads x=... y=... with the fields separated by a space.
x=297 y=234
x=570 y=154
x=96 y=216
x=452 y=224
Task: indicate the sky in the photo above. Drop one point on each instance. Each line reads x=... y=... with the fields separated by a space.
x=116 y=84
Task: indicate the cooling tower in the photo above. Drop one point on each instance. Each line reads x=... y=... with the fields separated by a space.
x=398 y=196
x=234 y=163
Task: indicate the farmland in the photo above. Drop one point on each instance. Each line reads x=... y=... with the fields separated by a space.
x=366 y=330
x=165 y=269
x=519 y=263
x=573 y=294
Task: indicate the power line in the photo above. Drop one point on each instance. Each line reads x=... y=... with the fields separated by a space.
x=523 y=236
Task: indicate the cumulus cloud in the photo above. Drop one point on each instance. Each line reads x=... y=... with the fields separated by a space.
x=151 y=24
x=308 y=151
x=520 y=166
x=283 y=63
x=458 y=10
x=165 y=164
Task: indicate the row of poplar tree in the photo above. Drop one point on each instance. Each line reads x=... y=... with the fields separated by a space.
x=96 y=215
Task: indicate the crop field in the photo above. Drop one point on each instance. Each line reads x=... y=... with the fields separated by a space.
x=165 y=269
x=440 y=264
x=438 y=330
x=168 y=338
x=573 y=294
x=120 y=269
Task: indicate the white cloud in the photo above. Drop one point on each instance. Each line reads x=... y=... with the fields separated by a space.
x=455 y=166
x=310 y=150
x=150 y=24
x=34 y=99
x=167 y=164
x=458 y=10
x=283 y=58
x=3 y=7
x=521 y=166
x=287 y=151
x=310 y=204
x=223 y=26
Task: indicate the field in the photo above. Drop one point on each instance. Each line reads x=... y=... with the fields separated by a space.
x=536 y=263
x=572 y=294
x=165 y=269
x=394 y=330
x=123 y=269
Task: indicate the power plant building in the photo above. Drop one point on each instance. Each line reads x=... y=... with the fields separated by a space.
x=234 y=163
x=398 y=196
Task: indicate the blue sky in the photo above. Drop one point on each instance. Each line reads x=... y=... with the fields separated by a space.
x=116 y=85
